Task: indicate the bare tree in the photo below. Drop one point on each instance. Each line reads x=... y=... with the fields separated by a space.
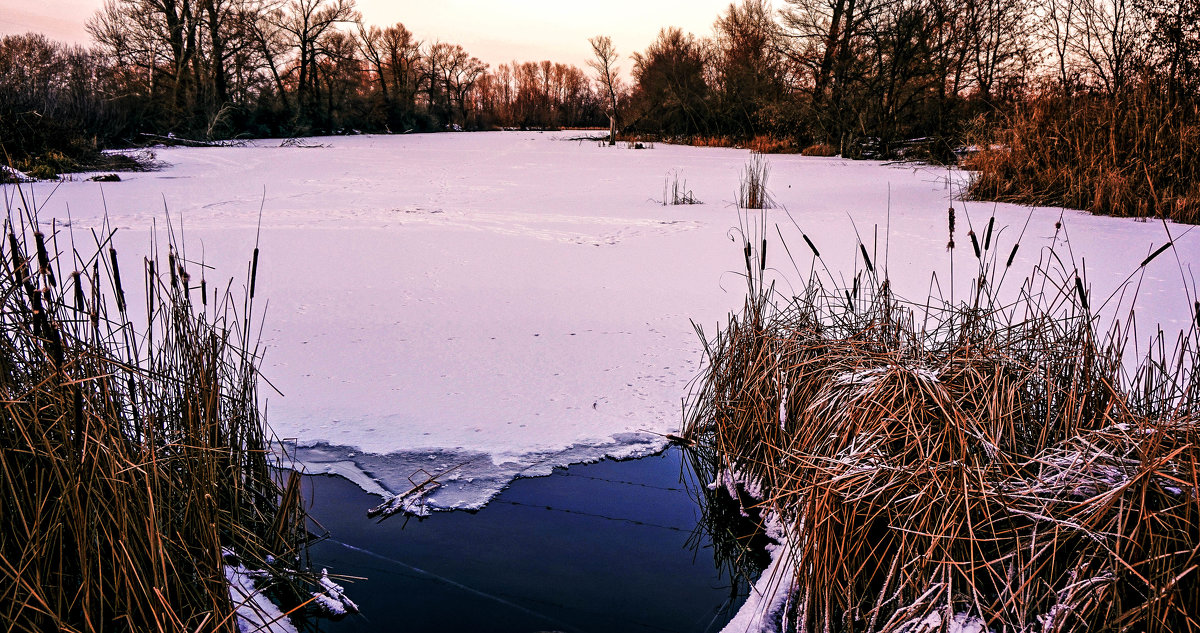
x=997 y=41
x=1059 y=19
x=605 y=65
x=1111 y=38
x=159 y=34
x=303 y=23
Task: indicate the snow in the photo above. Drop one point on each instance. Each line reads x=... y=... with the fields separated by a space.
x=492 y=305
x=933 y=623
x=14 y=175
x=255 y=611
x=766 y=606
x=333 y=602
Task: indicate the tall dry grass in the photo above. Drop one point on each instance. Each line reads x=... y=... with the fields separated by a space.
x=1130 y=155
x=132 y=463
x=998 y=463
x=752 y=187
x=676 y=192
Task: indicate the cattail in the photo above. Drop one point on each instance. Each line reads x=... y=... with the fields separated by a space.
x=987 y=237
x=18 y=261
x=810 y=245
x=79 y=304
x=95 y=294
x=171 y=265
x=1198 y=314
x=1012 y=255
x=1156 y=253
x=44 y=258
x=950 y=223
x=866 y=257
x=112 y=256
x=254 y=271
x=974 y=244
x=203 y=291
x=1082 y=294
x=150 y=284
x=762 y=265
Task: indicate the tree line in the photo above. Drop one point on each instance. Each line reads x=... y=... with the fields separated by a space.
x=871 y=76
x=860 y=78
x=217 y=69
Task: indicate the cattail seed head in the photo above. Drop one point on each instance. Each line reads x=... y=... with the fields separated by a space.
x=866 y=258
x=811 y=247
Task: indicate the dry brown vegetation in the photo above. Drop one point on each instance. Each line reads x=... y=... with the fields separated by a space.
x=133 y=464
x=1130 y=155
x=752 y=187
x=975 y=459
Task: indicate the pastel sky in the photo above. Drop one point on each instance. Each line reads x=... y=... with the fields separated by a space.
x=496 y=32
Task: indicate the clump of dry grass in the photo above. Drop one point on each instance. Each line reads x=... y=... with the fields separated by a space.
x=752 y=188
x=819 y=149
x=994 y=463
x=764 y=144
x=1128 y=155
x=132 y=463
x=676 y=192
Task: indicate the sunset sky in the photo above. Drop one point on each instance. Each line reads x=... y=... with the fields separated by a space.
x=495 y=32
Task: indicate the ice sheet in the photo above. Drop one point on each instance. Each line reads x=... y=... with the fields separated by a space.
x=507 y=302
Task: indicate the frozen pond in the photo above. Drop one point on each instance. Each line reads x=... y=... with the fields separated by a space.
x=501 y=303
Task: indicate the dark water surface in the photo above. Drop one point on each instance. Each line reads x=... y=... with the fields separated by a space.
x=596 y=547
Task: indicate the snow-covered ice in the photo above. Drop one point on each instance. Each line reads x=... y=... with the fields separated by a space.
x=486 y=305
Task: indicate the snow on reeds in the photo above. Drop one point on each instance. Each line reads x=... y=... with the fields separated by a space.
x=975 y=464
x=135 y=469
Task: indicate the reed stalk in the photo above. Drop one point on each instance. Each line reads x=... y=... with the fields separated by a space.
x=993 y=462
x=134 y=465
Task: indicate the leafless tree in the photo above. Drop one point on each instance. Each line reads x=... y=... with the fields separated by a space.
x=607 y=73
x=302 y=23
x=1111 y=38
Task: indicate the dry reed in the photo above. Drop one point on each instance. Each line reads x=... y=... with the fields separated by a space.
x=1128 y=155
x=675 y=191
x=752 y=188
x=132 y=464
x=997 y=465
